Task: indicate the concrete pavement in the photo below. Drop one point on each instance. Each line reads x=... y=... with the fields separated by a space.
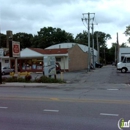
x=31 y=85
x=106 y=76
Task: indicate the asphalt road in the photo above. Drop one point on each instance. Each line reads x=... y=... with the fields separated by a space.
x=89 y=101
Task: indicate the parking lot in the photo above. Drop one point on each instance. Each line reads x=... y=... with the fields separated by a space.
x=106 y=74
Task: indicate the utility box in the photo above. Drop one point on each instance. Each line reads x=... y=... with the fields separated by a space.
x=49 y=68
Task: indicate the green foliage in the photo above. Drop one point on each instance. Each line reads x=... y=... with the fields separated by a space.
x=123 y=45
x=127 y=32
x=82 y=38
x=44 y=79
x=17 y=79
x=21 y=79
x=28 y=78
x=9 y=79
x=50 y=36
x=24 y=39
x=2 y=40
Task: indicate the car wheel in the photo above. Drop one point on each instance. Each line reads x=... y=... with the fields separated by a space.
x=123 y=70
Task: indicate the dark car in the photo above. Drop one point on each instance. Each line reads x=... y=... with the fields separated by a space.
x=98 y=65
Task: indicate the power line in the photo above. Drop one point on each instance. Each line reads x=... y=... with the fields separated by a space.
x=88 y=20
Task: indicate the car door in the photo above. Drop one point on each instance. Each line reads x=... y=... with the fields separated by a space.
x=5 y=70
x=128 y=63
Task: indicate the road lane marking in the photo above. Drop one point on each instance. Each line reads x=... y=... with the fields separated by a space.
x=48 y=110
x=54 y=99
x=3 y=107
x=107 y=114
x=112 y=89
x=66 y=100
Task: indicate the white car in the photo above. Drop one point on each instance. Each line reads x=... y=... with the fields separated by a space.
x=6 y=70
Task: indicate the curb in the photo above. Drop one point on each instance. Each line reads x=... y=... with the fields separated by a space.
x=30 y=85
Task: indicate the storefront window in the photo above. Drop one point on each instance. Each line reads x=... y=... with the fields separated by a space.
x=32 y=64
x=40 y=64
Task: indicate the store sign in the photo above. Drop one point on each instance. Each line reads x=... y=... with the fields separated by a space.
x=16 y=49
x=1 y=52
x=49 y=65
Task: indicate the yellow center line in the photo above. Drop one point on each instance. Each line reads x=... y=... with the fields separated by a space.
x=55 y=99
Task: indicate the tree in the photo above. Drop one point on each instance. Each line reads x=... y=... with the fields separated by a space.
x=24 y=39
x=111 y=54
x=51 y=36
x=127 y=32
x=2 y=40
x=123 y=45
x=102 y=39
x=82 y=38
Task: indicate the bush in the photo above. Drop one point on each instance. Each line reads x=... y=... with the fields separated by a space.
x=28 y=78
x=10 y=79
x=44 y=79
x=20 y=79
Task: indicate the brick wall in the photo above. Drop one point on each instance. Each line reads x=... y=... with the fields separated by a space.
x=77 y=58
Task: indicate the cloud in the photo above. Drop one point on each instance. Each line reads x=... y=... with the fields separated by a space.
x=29 y=16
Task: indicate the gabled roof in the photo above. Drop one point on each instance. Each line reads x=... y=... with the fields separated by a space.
x=51 y=51
x=30 y=53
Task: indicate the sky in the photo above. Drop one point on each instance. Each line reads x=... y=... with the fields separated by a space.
x=29 y=16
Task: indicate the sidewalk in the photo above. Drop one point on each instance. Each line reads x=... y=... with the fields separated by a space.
x=30 y=85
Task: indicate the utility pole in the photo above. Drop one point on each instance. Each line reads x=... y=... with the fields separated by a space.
x=115 y=55
x=0 y=60
x=104 y=56
x=93 y=45
x=117 y=49
x=98 y=50
x=88 y=22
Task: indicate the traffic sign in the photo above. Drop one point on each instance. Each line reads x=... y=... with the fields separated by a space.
x=16 y=49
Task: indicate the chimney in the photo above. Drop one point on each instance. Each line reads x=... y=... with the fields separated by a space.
x=9 y=34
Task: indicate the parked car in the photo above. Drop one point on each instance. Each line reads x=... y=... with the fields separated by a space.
x=6 y=70
x=98 y=65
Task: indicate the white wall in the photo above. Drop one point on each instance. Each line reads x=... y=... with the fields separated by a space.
x=5 y=63
x=123 y=51
x=64 y=62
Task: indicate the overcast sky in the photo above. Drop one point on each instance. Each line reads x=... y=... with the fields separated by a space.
x=30 y=16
